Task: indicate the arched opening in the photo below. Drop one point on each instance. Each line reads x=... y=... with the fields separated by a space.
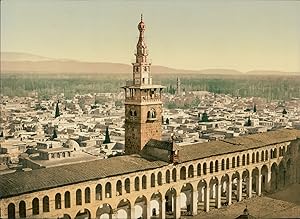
x=211 y=167
x=127 y=185
x=236 y=187
x=35 y=206
x=182 y=173
x=152 y=180
x=199 y=169
x=204 y=169
x=123 y=209
x=238 y=161
x=266 y=154
x=223 y=164
x=104 y=212
x=67 y=199
x=281 y=175
x=119 y=187
x=140 y=207
x=108 y=190
x=85 y=213
x=46 y=204
x=155 y=205
x=257 y=157
x=244 y=160
x=201 y=188
x=174 y=175
x=170 y=197
x=216 y=166
x=274 y=177
x=159 y=178
x=264 y=178
x=253 y=157
x=144 y=182
x=11 y=211
x=248 y=159
x=225 y=190
x=227 y=163
x=99 y=192
x=22 y=209
x=87 y=195
x=275 y=153
x=137 y=184
x=246 y=184
x=233 y=162
x=78 y=197
x=186 y=200
x=213 y=191
x=255 y=180
x=191 y=171
x=262 y=156
x=168 y=176
x=58 y=201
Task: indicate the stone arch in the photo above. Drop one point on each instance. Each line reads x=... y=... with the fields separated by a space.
x=216 y=166
x=202 y=186
x=199 y=169
x=152 y=180
x=78 y=197
x=144 y=182
x=191 y=171
x=170 y=197
x=183 y=173
x=274 y=177
x=225 y=180
x=127 y=185
x=244 y=160
x=159 y=178
x=85 y=213
x=223 y=164
x=155 y=205
x=257 y=157
x=58 y=201
x=104 y=211
x=87 y=195
x=281 y=174
x=168 y=176
x=233 y=162
x=204 y=169
x=140 y=207
x=266 y=155
x=253 y=157
x=137 y=184
x=46 y=204
x=35 y=206
x=236 y=189
x=108 y=190
x=227 y=163
x=255 y=181
x=214 y=191
x=238 y=161
x=248 y=159
x=22 y=209
x=186 y=199
x=247 y=188
x=264 y=178
x=123 y=208
x=275 y=153
x=211 y=167
x=98 y=190
x=174 y=175
x=119 y=187
x=67 y=199
x=262 y=156
x=11 y=211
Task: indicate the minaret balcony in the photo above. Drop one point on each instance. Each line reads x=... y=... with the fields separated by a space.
x=151 y=119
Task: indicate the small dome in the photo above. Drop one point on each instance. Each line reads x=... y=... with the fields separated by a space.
x=141 y=25
x=72 y=144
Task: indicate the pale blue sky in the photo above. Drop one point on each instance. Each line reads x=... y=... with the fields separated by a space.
x=242 y=35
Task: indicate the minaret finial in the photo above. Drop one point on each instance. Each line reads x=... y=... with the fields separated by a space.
x=141 y=17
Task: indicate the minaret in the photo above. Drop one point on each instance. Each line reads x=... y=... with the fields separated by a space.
x=143 y=105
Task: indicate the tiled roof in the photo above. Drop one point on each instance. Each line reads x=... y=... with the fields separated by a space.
x=25 y=182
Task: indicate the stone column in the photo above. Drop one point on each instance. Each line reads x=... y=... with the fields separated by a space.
x=132 y=212
x=195 y=202
x=206 y=198
x=229 y=192
x=177 y=208
x=162 y=211
x=239 y=189
x=249 y=186
x=148 y=210
x=258 y=183
x=218 y=195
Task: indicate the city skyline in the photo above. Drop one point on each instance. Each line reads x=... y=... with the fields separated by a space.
x=258 y=35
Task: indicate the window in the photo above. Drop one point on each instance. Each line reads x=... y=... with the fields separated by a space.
x=46 y=204
x=58 y=201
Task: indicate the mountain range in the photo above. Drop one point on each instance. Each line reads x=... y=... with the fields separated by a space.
x=16 y=62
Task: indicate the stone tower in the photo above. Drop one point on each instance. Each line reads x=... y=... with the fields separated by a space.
x=143 y=105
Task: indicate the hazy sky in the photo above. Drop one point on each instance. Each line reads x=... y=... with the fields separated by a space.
x=242 y=35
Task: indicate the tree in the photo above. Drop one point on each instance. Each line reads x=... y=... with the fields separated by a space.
x=284 y=112
x=248 y=123
x=254 y=108
x=204 y=117
x=57 y=111
x=167 y=121
x=107 y=138
x=54 y=135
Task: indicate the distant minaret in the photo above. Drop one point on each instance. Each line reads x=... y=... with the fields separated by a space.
x=178 y=87
x=143 y=105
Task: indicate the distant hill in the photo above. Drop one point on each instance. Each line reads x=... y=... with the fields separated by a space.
x=14 y=62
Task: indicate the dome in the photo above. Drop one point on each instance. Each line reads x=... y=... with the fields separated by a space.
x=72 y=144
x=141 y=25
